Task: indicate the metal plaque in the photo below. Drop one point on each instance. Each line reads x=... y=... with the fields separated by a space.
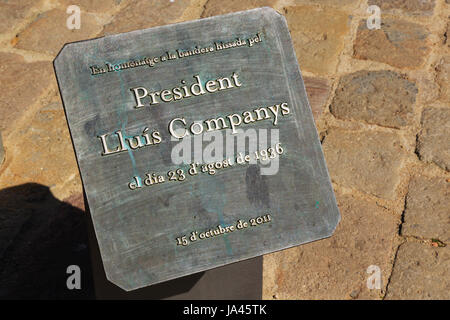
x=196 y=145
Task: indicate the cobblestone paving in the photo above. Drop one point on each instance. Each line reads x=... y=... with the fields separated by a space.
x=380 y=98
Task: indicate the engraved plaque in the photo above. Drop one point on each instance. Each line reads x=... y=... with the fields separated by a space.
x=196 y=145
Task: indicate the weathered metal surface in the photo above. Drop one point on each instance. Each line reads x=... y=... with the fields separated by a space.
x=139 y=223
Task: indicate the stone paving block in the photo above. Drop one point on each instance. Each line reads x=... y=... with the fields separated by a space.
x=217 y=7
x=409 y=7
x=427 y=213
x=10 y=15
x=144 y=14
x=433 y=143
x=369 y=161
x=420 y=272
x=318 y=36
x=336 y=268
x=22 y=83
x=42 y=152
x=48 y=32
x=443 y=78
x=385 y=98
x=13 y=13
x=398 y=43
x=318 y=90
